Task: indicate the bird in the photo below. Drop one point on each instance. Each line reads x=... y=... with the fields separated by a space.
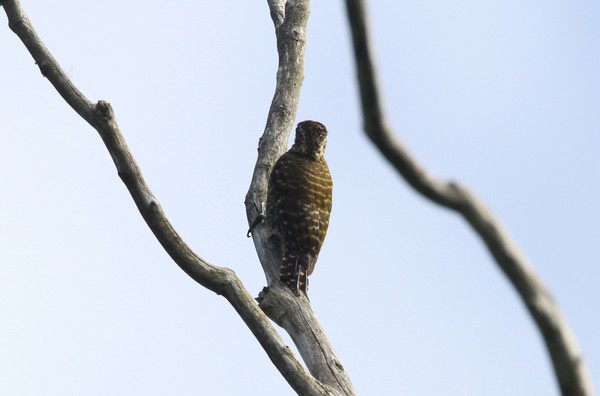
x=298 y=205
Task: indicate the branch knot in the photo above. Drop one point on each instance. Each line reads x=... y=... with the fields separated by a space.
x=104 y=110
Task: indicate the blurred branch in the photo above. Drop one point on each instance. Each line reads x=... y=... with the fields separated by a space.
x=222 y=281
x=566 y=359
x=291 y=312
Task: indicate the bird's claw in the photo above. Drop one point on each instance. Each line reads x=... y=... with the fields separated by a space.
x=259 y=219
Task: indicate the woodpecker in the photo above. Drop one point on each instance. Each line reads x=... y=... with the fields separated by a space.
x=299 y=203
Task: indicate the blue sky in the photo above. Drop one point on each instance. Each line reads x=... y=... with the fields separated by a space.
x=501 y=95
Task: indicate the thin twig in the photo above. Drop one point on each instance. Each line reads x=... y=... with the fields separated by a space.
x=222 y=281
x=566 y=358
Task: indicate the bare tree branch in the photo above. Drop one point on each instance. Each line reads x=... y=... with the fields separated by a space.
x=295 y=315
x=277 y=8
x=290 y=29
x=291 y=312
x=222 y=281
x=566 y=358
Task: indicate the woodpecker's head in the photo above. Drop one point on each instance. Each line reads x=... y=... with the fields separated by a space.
x=311 y=139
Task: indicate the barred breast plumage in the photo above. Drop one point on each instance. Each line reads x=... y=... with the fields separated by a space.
x=299 y=203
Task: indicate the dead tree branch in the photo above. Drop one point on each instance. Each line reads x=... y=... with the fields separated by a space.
x=567 y=360
x=222 y=281
x=292 y=313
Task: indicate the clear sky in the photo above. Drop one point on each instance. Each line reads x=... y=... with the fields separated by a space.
x=501 y=95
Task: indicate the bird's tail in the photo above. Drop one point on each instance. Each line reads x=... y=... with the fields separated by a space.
x=293 y=273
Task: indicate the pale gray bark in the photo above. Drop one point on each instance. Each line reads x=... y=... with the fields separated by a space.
x=567 y=360
x=222 y=281
x=291 y=312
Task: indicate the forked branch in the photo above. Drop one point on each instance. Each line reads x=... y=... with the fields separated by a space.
x=222 y=281
x=567 y=360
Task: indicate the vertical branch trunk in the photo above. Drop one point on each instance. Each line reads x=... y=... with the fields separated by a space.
x=291 y=312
